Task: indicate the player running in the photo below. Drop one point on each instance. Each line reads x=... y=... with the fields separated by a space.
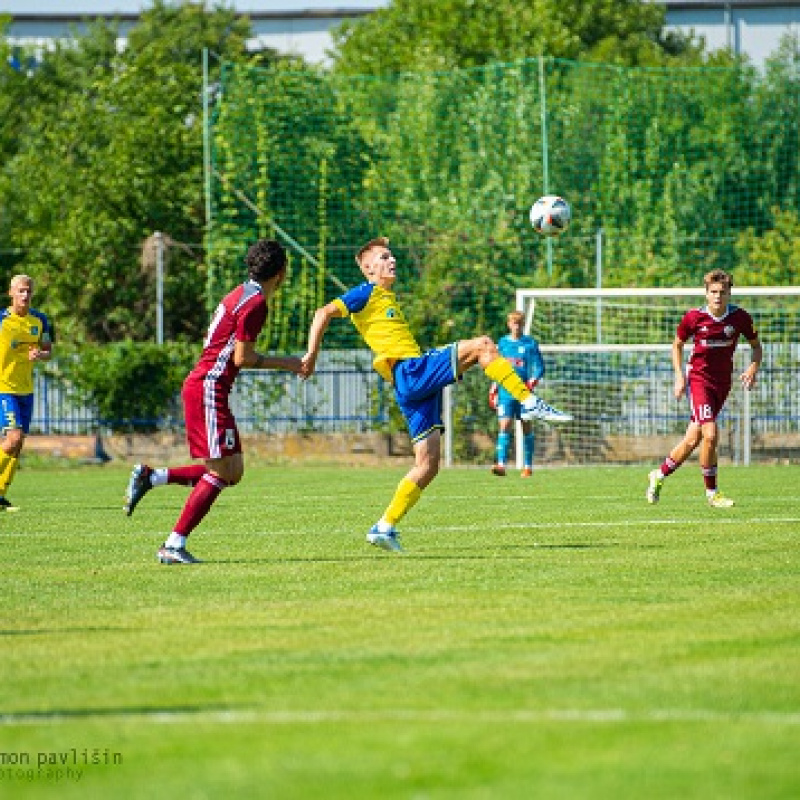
x=211 y=430
x=715 y=330
x=26 y=337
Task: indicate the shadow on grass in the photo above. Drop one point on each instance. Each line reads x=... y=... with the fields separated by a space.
x=53 y=631
x=510 y=551
x=17 y=717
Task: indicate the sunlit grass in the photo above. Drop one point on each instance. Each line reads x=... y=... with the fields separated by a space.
x=556 y=637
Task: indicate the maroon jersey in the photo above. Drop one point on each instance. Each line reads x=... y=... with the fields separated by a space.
x=714 y=341
x=240 y=316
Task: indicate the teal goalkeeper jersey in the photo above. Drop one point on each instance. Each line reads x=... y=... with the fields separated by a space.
x=524 y=356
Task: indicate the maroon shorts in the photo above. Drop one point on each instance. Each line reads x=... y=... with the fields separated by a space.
x=210 y=426
x=706 y=400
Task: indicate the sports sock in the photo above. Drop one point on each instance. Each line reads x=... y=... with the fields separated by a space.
x=405 y=497
x=501 y=451
x=668 y=467
x=527 y=449
x=710 y=478
x=159 y=476
x=186 y=476
x=175 y=540
x=5 y=458
x=502 y=373
x=199 y=502
x=7 y=471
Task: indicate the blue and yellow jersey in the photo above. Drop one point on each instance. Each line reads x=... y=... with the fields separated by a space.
x=381 y=324
x=524 y=356
x=17 y=336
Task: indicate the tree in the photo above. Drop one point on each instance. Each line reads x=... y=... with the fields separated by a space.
x=109 y=149
x=772 y=259
x=411 y=35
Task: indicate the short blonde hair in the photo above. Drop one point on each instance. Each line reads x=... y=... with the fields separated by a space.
x=20 y=279
x=515 y=315
x=381 y=241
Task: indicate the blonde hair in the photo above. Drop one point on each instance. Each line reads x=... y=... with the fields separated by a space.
x=515 y=315
x=20 y=279
x=381 y=241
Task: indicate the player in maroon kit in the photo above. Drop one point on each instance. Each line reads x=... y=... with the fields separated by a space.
x=211 y=429
x=715 y=331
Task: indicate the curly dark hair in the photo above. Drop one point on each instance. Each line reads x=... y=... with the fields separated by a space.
x=265 y=259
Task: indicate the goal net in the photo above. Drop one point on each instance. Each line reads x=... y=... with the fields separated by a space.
x=607 y=358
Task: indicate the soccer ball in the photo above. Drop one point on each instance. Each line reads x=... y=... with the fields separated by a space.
x=550 y=215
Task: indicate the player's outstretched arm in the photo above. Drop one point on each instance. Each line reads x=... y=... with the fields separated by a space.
x=285 y=363
x=246 y=357
x=316 y=333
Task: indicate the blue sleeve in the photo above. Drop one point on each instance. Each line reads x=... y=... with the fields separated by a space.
x=47 y=326
x=535 y=361
x=356 y=298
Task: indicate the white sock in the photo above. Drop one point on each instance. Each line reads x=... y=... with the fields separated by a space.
x=384 y=526
x=176 y=540
x=158 y=477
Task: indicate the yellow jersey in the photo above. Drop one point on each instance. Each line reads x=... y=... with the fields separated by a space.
x=374 y=312
x=17 y=336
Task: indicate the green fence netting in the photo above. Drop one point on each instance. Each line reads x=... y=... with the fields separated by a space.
x=670 y=173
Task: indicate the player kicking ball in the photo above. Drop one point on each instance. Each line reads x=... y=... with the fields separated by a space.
x=417 y=377
x=714 y=330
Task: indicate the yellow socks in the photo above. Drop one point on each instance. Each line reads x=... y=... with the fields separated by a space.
x=405 y=497
x=8 y=466
x=503 y=374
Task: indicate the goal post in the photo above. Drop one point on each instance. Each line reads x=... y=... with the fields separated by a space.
x=646 y=316
x=607 y=357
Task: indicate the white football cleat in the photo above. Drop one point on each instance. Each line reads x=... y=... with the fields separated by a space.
x=536 y=408
x=386 y=540
x=654 y=486
x=718 y=500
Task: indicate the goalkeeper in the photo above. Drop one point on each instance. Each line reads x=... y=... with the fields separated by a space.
x=523 y=354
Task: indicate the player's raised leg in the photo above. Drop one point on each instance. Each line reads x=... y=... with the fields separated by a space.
x=483 y=351
x=138 y=486
x=144 y=478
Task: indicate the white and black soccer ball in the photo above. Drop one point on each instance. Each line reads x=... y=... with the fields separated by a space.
x=551 y=215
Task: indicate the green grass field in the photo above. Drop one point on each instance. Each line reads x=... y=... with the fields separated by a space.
x=552 y=638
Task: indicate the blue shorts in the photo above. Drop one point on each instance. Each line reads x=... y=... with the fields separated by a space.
x=418 y=384
x=507 y=406
x=17 y=410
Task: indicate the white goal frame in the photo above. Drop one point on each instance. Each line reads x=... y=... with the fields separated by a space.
x=526 y=302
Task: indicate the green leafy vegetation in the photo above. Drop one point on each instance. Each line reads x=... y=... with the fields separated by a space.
x=428 y=127
x=667 y=168
x=133 y=386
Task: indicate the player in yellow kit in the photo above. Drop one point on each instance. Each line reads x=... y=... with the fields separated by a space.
x=418 y=378
x=26 y=336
